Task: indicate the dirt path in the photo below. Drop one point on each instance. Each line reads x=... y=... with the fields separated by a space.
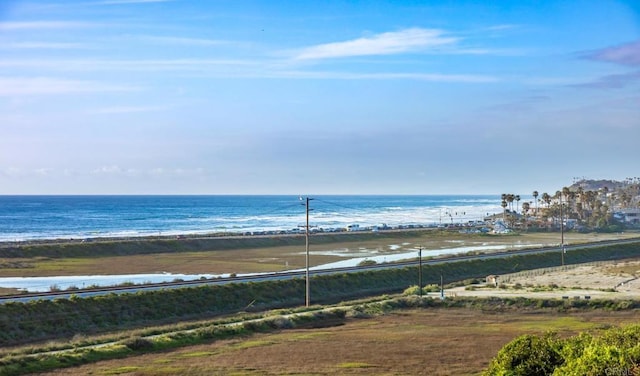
x=606 y=280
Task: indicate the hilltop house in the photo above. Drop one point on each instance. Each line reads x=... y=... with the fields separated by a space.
x=628 y=216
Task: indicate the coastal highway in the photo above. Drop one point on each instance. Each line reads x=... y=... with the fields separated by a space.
x=83 y=293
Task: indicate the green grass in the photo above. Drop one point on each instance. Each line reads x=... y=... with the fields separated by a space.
x=121 y=370
x=16 y=365
x=252 y=343
x=197 y=354
x=349 y=365
x=306 y=336
x=556 y=324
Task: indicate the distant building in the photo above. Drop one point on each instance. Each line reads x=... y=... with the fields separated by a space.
x=492 y=280
x=570 y=223
x=500 y=227
x=354 y=227
x=629 y=216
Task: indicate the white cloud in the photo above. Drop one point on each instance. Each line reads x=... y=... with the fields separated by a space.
x=30 y=25
x=431 y=77
x=185 y=41
x=75 y=65
x=115 y=170
x=10 y=86
x=502 y=27
x=128 y=109
x=218 y=68
x=44 y=171
x=12 y=172
x=107 y=170
x=41 y=45
x=123 y=2
x=380 y=44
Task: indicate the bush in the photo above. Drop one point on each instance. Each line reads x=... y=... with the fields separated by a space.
x=616 y=351
x=367 y=262
x=527 y=355
x=138 y=343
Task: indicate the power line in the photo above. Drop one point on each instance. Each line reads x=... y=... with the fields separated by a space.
x=336 y=204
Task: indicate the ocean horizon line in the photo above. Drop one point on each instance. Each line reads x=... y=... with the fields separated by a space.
x=245 y=194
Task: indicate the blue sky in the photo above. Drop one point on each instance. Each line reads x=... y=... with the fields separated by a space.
x=316 y=97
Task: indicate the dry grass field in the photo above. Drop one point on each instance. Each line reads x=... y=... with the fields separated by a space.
x=412 y=342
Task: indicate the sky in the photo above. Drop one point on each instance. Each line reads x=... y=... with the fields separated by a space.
x=316 y=97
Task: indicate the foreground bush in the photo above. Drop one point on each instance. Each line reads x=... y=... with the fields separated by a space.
x=614 y=352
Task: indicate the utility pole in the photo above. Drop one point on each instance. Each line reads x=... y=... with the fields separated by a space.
x=420 y=271
x=562 y=250
x=306 y=233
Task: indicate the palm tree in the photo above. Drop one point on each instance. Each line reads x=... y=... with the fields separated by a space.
x=572 y=200
x=504 y=210
x=581 y=198
x=510 y=198
x=525 y=209
x=535 y=196
x=517 y=198
x=625 y=199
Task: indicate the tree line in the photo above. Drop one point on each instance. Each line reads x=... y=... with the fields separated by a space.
x=587 y=208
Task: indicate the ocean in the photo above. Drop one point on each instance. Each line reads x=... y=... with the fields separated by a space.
x=24 y=218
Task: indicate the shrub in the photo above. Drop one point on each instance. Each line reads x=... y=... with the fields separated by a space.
x=616 y=351
x=527 y=355
x=138 y=343
x=367 y=262
x=279 y=323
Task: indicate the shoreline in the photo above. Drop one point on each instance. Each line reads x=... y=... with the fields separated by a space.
x=213 y=236
x=224 y=235
x=105 y=217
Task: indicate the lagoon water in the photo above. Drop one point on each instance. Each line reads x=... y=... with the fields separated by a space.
x=43 y=284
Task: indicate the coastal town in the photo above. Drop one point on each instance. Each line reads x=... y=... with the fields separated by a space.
x=585 y=205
